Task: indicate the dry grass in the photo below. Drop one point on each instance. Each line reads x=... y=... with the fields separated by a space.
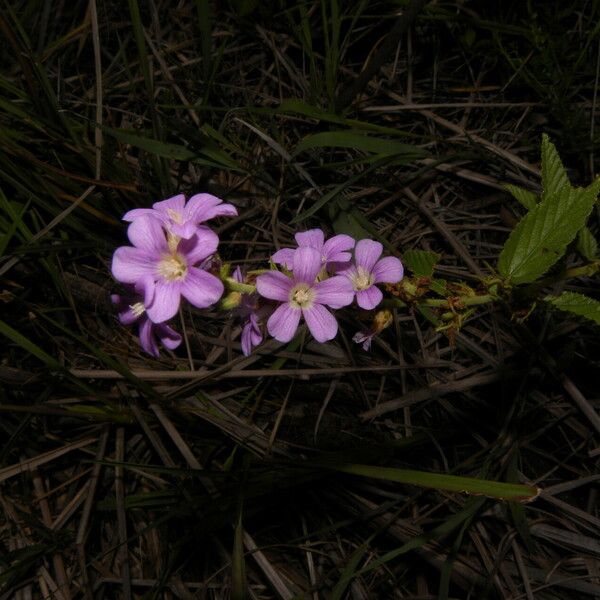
x=123 y=476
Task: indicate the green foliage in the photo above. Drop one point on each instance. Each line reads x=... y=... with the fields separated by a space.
x=526 y=197
x=542 y=236
x=554 y=176
x=452 y=483
x=578 y=304
x=358 y=141
x=586 y=244
x=238 y=568
x=216 y=157
x=420 y=262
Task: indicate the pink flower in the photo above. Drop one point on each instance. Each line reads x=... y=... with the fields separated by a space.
x=182 y=219
x=251 y=334
x=364 y=338
x=334 y=250
x=302 y=296
x=170 y=265
x=369 y=270
x=251 y=314
x=131 y=309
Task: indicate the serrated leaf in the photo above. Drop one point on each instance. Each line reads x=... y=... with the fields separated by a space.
x=542 y=236
x=428 y=313
x=420 y=262
x=586 y=244
x=554 y=176
x=439 y=286
x=527 y=198
x=578 y=304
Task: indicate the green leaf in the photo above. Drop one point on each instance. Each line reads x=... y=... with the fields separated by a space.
x=29 y=346
x=527 y=198
x=172 y=151
x=238 y=570
x=578 y=304
x=420 y=262
x=358 y=141
x=542 y=236
x=554 y=176
x=298 y=107
x=586 y=244
x=429 y=314
x=451 y=483
x=472 y=506
x=335 y=192
x=344 y=220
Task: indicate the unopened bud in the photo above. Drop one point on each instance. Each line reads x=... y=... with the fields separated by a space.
x=231 y=301
x=382 y=320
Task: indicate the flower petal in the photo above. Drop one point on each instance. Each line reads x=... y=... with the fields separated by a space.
x=367 y=252
x=284 y=257
x=200 y=288
x=313 y=238
x=336 y=248
x=200 y=246
x=202 y=207
x=184 y=230
x=282 y=324
x=321 y=322
x=364 y=338
x=388 y=270
x=167 y=296
x=123 y=306
x=175 y=203
x=136 y=213
x=369 y=298
x=246 y=339
x=274 y=286
x=251 y=335
x=147 y=233
x=237 y=275
x=168 y=337
x=307 y=264
x=335 y=292
x=145 y=287
x=147 y=339
x=129 y=264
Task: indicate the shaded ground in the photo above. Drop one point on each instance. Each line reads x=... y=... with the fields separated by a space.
x=173 y=484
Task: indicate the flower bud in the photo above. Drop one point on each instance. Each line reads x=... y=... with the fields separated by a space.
x=382 y=320
x=231 y=301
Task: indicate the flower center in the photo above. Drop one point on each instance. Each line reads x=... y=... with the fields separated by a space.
x=362 y=280
x=172 y=267
x=302 y=296
x=175 y=216
x=137 y=309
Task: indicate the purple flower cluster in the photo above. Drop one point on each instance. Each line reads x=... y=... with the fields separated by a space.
x=168 y=259
x=322 y=274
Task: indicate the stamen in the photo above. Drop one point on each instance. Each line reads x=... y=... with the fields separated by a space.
x=138 y=309
x=302 y=296
x=362 y=280
x=172 y=267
